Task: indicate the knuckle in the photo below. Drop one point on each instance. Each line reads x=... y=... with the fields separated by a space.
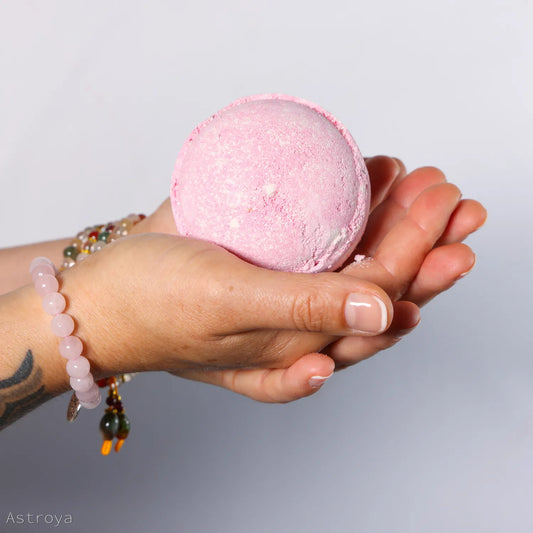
x=400 y=288
x=309 y=312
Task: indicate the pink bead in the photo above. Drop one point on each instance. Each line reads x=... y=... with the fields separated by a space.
x=40 y=261
x=70 y=347
x=62 y=325
x=82 y=384
x=90 y=405
x=89 y=396
x=46 y=284
x=41 y=269
x=79 y=367
x=54 y=303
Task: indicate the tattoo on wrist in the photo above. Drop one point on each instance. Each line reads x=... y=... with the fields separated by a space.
x=22 y=392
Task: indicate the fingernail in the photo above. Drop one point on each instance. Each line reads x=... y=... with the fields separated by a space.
x=365 y=313
x=398 y=166
x=316 y=382
x=467 y=271
x=400 y=334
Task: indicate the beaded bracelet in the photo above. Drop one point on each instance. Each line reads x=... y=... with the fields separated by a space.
x=53 y=302
x=94 y=238
x=114 y=423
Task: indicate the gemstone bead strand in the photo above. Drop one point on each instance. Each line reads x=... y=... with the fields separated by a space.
x=94 y=238
x=53 y=302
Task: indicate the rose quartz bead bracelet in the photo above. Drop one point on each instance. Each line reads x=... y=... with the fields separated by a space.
x=46 y=283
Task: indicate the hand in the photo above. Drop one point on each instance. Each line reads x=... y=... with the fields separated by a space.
x=413 y=222
x=163 y=302
x=413 y=236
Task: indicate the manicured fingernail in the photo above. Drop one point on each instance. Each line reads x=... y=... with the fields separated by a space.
x=398 y=166
x=365 y=313
x=316 y=382
x=468 y=271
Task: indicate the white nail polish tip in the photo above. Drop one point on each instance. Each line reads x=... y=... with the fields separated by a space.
x=383 y=309
x=318 y=381
x=468 y=271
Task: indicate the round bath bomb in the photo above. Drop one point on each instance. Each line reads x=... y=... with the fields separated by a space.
x=277 y=181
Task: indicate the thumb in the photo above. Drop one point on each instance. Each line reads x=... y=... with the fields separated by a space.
x=330 y=303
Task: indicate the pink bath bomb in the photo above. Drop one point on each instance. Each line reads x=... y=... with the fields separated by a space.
x=276 y=180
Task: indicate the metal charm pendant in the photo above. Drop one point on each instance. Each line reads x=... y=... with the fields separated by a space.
x=73 y=408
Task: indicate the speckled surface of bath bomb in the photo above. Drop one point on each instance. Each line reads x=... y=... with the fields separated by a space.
x=277 y=181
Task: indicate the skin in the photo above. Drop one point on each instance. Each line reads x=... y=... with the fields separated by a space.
x=209 y=316
x=414 y=236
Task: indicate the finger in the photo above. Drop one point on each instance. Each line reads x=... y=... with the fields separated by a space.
x=383 y=172
x=402 y=251
x=303 y=378
x=468 y=217
x=441 y=268
x=396 y=205
x=328 y=303
x=351 y=350
x=403 y=169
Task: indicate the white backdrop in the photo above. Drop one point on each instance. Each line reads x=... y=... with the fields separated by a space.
x=435 y=434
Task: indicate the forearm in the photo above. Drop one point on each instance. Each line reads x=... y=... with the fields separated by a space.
x=31 y=369
x=14 y=262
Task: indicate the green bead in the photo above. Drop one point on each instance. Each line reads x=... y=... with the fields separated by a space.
x=109 y=425
x=103 y=236
x=123 y=426
x=71 y=251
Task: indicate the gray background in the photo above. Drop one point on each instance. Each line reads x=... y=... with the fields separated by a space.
x=435 y=434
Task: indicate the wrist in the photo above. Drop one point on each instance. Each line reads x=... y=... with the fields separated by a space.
x=97 y=302
x=160 y=221
x=84 y=305
x=29 y=327
x=13 y=262
x=88 y=299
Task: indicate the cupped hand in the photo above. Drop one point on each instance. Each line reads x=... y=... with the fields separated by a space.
x=164 y=302
x=414 y=251
x=413 y=246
